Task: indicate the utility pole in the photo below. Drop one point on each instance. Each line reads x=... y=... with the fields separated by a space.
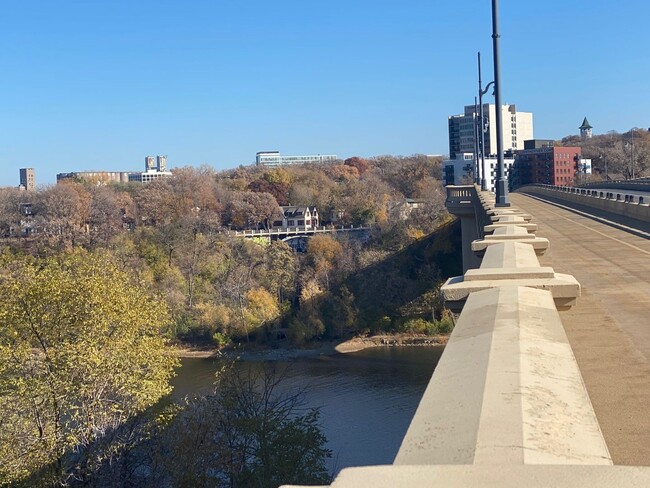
x=502 y=199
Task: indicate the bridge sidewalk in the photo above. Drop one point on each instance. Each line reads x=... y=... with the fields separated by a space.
x=609 y=329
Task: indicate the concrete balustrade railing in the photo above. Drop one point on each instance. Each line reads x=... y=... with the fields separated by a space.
x=619 y=203
x=498 y=213
x=507 y=391
x=510 y=220
x=506 y=406
x=640 y=184
x=509 y=233
x=510 y=263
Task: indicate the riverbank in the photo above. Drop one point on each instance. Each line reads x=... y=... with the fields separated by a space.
x=258 y=353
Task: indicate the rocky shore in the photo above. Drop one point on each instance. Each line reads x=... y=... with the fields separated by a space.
x=317 y=349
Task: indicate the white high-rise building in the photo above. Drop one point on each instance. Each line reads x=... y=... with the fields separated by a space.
x=517 y=128
x=149 y=163
x=154 y=168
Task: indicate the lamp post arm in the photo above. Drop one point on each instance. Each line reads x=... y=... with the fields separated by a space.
x=487 y=87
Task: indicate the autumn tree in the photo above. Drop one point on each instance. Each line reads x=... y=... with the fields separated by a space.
x=360 y=164
x=404 y=172
x=261 y=308
x=281 y=278
x=250 y=209
x=323 y=252
x=11 y=201
x=195 y=191
x=80 y=354
x=342 y=173
x=107 y=207
x=279 y=190
x=311 y=186
x=153 y=203
x=62 y=212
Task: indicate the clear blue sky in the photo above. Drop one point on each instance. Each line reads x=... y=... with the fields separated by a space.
x=97 y=84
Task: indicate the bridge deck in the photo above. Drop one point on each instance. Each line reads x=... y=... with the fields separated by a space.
x=609 y=328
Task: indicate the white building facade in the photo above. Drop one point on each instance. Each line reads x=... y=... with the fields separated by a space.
x=153 y=169
x=460 y=170
x=274 y=158
x=517 y=127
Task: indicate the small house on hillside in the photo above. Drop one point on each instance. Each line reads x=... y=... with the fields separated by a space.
x=304 y=218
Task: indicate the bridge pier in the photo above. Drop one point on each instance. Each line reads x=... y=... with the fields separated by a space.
x=461 y=204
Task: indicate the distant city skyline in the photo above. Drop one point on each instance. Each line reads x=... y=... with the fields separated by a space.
x=98 y=85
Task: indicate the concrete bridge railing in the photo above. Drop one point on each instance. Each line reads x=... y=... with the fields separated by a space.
x=639 y=184
x=618 y=203
x=506 y=405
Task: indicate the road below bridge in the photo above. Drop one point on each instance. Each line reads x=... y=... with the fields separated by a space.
x=609 y=328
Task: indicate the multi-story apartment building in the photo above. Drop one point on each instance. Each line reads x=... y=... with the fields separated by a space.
x=541 y=162
x=274 y=158
x=517 y=127
x=27 y=179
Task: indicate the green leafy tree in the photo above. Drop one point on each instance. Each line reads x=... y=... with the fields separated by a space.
x=80 y=354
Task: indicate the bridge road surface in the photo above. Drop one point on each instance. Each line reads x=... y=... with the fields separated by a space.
x=609 y=328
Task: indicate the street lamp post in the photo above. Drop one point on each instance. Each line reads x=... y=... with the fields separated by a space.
x=502 y=199
x=477 y=176
x=481 y=92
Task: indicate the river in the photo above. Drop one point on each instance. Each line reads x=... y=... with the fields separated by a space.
x=367 y=398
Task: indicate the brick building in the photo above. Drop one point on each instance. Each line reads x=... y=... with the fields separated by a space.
x=541 y=162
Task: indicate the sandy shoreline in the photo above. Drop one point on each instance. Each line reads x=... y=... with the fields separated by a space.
x=319 y=349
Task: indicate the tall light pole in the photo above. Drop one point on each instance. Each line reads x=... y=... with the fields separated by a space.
x=477 y=176
x=482 y=92
x=502 y=199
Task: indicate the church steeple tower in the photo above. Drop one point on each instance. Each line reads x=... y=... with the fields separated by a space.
x=585 y=129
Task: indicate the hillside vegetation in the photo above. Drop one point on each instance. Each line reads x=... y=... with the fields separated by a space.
x=615 y=155
x=172 y=237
